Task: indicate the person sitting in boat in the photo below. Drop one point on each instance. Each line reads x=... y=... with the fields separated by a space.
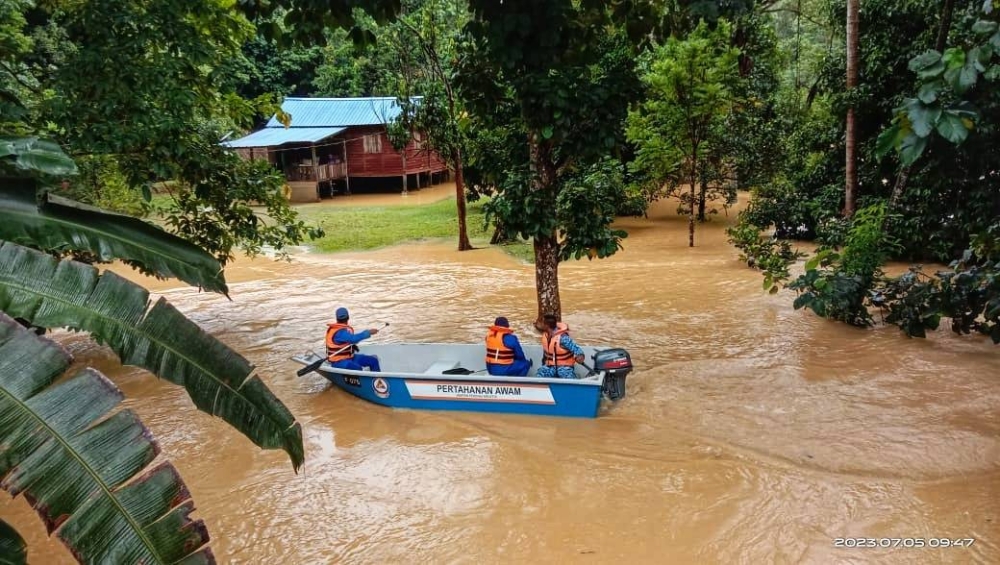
x=504 y=356
x=561 y=352
x=341 y=345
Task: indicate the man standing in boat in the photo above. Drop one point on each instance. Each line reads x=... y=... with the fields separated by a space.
x=341 y=344
x=504 y=356
x=561 y=352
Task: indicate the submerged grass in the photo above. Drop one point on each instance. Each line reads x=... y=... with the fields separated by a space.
x=371 y=227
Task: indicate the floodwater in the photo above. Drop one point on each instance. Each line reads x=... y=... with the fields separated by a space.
x=752 y=433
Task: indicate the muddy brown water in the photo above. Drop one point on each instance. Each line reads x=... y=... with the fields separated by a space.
x=752 y=433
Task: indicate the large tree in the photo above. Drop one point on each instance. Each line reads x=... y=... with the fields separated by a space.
x=143 y=91
x=566 y=72
x=680 y=127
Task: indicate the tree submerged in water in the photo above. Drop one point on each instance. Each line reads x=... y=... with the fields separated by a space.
x=551 y=80
x=680 y=128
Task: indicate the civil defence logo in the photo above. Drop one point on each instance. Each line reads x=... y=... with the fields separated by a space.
x=381 y=387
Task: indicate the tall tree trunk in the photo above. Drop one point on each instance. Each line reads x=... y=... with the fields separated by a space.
x=694 y=182
x=463 y=232
x=701 y=202
x=945 y=26
x=546 y=247
x=547 y=277
x=851 y=173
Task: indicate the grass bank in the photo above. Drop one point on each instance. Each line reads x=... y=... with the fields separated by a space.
x=371 y=227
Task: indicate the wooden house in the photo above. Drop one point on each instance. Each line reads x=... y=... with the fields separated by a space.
x=332 y=141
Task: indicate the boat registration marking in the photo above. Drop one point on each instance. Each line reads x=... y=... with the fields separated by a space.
x=480 y=392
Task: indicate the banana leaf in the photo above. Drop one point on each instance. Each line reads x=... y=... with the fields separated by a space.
x=50 y=293
x=61 y=224
x=30 y=154
x=13 y=550
x=70 y=456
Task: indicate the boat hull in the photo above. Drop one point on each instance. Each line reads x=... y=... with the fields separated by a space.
x=497 y=394
x=423 y=377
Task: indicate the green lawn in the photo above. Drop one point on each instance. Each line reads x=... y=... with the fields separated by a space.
x=360 y=228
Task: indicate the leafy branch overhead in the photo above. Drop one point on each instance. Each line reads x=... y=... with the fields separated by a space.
x=944 y=80
x=51 y=293
x=70 y=454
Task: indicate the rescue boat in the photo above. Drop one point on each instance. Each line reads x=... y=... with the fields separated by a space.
x=443 y=376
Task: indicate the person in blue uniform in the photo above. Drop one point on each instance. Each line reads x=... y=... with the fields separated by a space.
x=504 y=356
x=561 y=353
x=342 y=343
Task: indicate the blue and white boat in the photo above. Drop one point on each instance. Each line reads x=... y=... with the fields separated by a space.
x=444 y=376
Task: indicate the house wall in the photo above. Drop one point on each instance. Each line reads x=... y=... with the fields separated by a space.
x=369 y=154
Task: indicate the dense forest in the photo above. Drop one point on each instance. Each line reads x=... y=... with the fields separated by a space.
x=863 y=134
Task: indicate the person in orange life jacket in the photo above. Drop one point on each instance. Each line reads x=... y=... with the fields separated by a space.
x=504 y=356
x=341 y=344
x=561 y=352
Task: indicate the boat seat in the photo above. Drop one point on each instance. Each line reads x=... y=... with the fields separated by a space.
x=440 y=366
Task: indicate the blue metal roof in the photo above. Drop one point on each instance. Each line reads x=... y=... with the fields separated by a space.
x=270 y=137
x=342 y=112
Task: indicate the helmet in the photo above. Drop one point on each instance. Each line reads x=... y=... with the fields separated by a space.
x=342 y=314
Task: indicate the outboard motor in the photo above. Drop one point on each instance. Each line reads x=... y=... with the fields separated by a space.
x=616 y=364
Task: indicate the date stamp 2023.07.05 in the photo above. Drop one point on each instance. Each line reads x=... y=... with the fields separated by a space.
x=904 y=542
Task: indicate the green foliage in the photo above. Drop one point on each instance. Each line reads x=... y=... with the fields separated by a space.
x=58 y=225
x=31 y=156
x=64 y=450
x=13 y=549
x=770 y=255
x=102 y=184
x=836 y=285
x=592 y=197
x=679 y=128
x=968 y=294
x=944 y=82
x=235 y=203
x=558 y=86
x=346 y=70
x=309 y=20
x=50 y=293
x=147 y=100
x=39 y=219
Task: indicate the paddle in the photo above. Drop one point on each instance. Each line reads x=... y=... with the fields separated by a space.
x=313 y=366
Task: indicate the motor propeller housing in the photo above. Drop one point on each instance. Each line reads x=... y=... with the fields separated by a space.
x=616 y=365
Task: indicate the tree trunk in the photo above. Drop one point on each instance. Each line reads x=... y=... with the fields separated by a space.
x=463 y=232
x=691 y=215
x=499 y=234
x=701 y=202
x=851 y=173
x=547 y=277
x=546 y=247
x=945 y=27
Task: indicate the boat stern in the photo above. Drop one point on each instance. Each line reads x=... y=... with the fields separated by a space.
x=616 y=364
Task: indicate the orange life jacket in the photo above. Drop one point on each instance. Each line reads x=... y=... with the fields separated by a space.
x=555 y=353
x=496 y=352
x=332 y=346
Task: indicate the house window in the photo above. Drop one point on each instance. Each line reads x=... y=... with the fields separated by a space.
x=373 y=143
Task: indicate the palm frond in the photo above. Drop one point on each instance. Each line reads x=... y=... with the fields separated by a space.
x=70 y=456
x=61 y=224
x=51 y=293
x=13 y=550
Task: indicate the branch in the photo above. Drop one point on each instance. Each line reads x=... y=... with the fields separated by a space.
x=18 y=79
